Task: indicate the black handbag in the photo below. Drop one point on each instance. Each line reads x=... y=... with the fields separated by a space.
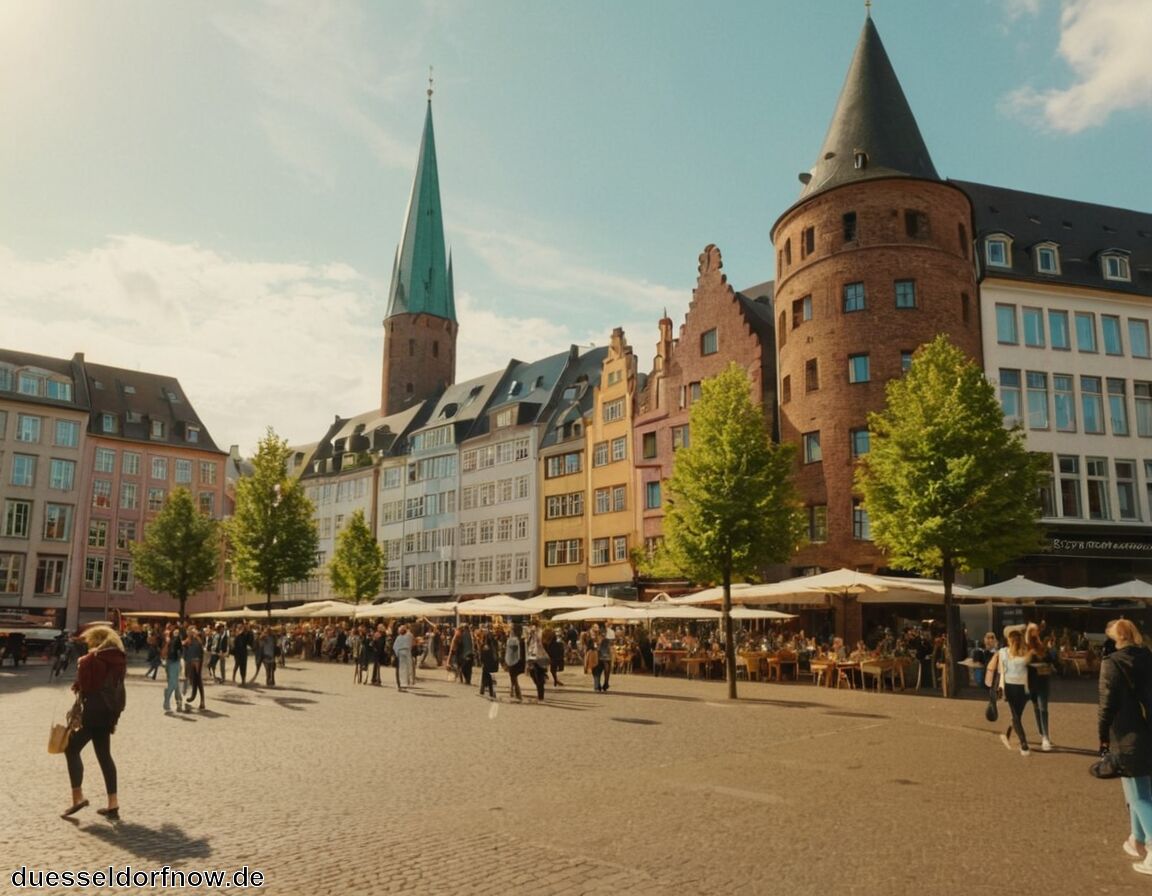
x=1107 y=766
x=991 y=711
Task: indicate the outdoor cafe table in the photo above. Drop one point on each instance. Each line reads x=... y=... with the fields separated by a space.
x=668 y=659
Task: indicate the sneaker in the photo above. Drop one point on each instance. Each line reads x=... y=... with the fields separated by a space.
x=1024 y=751
x=1004 y=740
x=1131 y=848
x=1144 y=867
x=1046 y=745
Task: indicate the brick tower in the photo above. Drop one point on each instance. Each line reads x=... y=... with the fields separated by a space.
x=872 y=261
x=420 y=326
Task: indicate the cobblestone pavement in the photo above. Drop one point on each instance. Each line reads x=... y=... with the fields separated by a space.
x=659 y=786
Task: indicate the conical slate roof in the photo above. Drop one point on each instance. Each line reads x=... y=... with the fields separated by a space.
x=421 y=276
x=872 y=118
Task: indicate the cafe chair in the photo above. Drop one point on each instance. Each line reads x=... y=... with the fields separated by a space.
x=743 y=667
x=843 y=676
x=874 y=669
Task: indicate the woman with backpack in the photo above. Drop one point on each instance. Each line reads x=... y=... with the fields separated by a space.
x=99 y=686
x=514 y=661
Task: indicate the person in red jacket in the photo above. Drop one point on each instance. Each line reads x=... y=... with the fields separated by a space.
x=100 y=685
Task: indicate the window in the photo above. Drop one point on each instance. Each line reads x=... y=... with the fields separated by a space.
x=818 y=523
x=599 y=554
x=30 y=384
x=997 y=252
x=905 y=361
x=1110 y=331
x=27 y=428
x=859 y=442
x=786 y=390
x=619 y=498
x=603 y=500
x=130 y=463
x=62 y=474
x=23 y=470
x=693 y=393
x=619 y=548
x=812 y=447
x=11 y=570
x=1037 y=384
x=916 y=224
x=1142 y=391
x=854 y=297
x=709 y=344
x=651 y=495
x=858 y=369
x=1085 y=331
x=1047 y=260
x=57 y=522
x=1115 y=267
x=504 y=528
x=17 y=518
x=109 y=423
x=849 y=221
x=156 y=429
x=563 y=464
x=1147 y=487
x=1069 y=485
x=788 y=251
x=156 y=498
x=648 y=445
x=50 y=575
x=613 y=410
x=1033 y=319
x=101 y=493
x=1097 y=469
x=811 y=375
x=521 y=526
x=1006 y=325
x=67 y=433
x=905 y=293
x=1064 y=402
x=208 y=474
x=97 y=533
x=1058 y=329
x=1092 y=404
x=1138 y=338
x=563 y=553
x=1046 y=493
x=192 y=434
x=807 y=242
x=5 y=379
x=3 y=420
x=183 y=472
x=160 y=468
x=121 y=575
x=1010 y=395
x=620 y=448
x=801 y=311
x=680 y=437
x=1127 y=507
x=129 y=496
x=861 y=525
x=1118 y=406
x=94 y=572
x=600 y=454
x=571 y=504
x=105 y=460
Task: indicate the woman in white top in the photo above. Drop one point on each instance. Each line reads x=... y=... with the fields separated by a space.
x=1012 y=664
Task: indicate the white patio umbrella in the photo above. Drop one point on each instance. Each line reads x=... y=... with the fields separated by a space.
x=316 y=609
x=545 y=602
x=753 y=613
x=1136 y=589
x=744 y=593
x=616 y=613
x=241 y=613
x=496 y=605
x=1022 y=589
x=683 y=611
x=410 y=606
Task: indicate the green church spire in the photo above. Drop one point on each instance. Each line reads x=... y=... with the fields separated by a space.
x=421 y=274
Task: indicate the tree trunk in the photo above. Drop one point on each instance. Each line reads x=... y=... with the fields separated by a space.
x=953 y=648
x=268 y=606
x=729 y=639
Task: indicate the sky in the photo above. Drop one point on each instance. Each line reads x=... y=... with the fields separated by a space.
x=214 y=190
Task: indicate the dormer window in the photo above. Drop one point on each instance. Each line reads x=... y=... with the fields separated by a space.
x=1047 y=257
x=1115 y=267
x=860 y=160
x=156 y=429
x=192 y=434
x=998 y=251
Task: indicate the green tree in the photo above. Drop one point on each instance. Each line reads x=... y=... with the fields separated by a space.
x=732 y=503
x=180 y=553
x=357 y=565
x=947 y=487
x=272 y=533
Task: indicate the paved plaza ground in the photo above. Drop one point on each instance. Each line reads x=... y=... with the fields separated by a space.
x=660 y=786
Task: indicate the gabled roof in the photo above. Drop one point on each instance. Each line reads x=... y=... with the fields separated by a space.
x=756 y=304
x=872 y=117
x=138 y=398
x=530 y=385
x=422 y=271
x=574 y=395
x=1082 y=231
x=463 y=403
x=364 y=433
x=70 y=369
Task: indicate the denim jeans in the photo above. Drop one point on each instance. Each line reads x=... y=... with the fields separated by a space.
x=172 y=670
x=1039 y=698
x=1138 y=794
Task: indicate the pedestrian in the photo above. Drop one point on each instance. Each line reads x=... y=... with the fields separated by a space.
x=1125 y=696
x=514 y=661
x=537 y=659
x=489 y=665
x=193 y=668
x=604 y=649
x=1040 y=680
x=1011 y=663
x=153 y=656
x=100 y=687
x=241 y=643
x=462 y=653
x=266 y=656
x=171 y=653
x=554 y=647
x=218 y=664
x=402 y=647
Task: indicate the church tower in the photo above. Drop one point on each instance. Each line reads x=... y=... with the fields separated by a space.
x=420 y=326
x=872 y=261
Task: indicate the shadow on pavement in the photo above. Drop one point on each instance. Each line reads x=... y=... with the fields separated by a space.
x=753 y=701
x=167 y=843
x=296 y=704
x=856 y=715
x=416 y=691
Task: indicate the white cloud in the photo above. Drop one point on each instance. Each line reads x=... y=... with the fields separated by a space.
x=1105 y=44
x=1018 y=9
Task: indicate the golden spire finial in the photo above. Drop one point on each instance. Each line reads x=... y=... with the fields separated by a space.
x=429 y=83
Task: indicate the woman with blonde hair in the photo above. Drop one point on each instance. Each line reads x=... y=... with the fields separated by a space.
x=1012 y=664
x=1125 y=695
x=1039 y=680
x=100 y=687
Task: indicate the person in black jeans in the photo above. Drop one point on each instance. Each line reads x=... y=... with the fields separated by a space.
x=241 y=642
